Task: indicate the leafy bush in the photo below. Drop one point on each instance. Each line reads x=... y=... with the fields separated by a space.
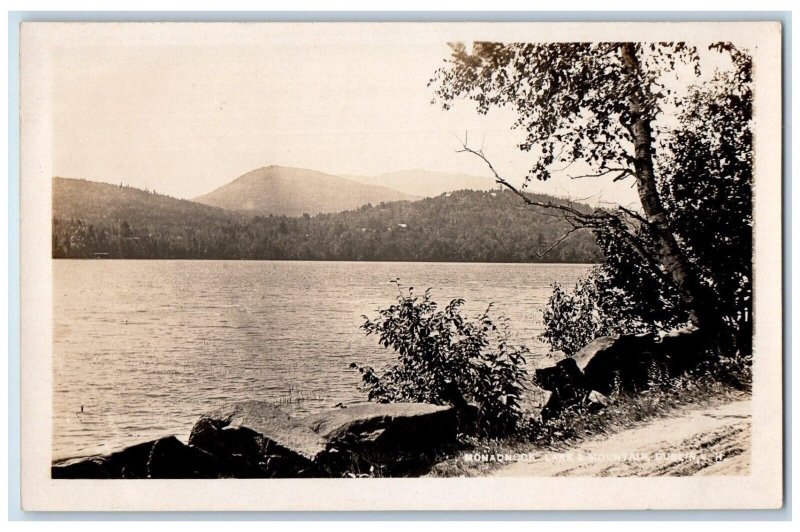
x=616 y=299
x=447 y=358
x=572 y=320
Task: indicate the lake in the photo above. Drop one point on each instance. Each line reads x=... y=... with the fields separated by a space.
x=144 y=347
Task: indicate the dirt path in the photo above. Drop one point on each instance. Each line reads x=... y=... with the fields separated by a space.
x=694 y=441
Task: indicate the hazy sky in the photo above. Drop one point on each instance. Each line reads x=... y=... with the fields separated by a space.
x=183 y=112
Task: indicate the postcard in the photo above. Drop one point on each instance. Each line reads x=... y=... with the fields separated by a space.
x=401 y=266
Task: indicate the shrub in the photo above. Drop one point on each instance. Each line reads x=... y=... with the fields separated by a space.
x=597 y=306
x=572 y=320
x=444 y=357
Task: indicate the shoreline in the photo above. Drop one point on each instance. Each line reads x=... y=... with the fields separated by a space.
x=343 y=261
x=686 y=437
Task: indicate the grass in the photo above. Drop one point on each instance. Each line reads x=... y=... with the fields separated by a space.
x=577 y=425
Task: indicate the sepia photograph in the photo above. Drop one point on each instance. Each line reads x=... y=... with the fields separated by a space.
x=375 y=265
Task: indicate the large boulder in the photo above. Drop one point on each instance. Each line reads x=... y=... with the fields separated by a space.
x=567 y=385
x=162 y=458
x=631 y=361
x=393 y=436
x=625 y=361
x=258 y=439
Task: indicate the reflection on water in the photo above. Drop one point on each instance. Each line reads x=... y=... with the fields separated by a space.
x=144 y=347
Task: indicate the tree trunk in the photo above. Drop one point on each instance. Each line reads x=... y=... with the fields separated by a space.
x=670 y=256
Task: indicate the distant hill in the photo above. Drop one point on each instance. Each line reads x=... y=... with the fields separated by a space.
x=104 y=204
x=427 y=184
x=462 y=226
x=295 y=191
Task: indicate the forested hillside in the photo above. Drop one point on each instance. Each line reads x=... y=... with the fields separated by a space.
x=460 y=226
x=106 y=205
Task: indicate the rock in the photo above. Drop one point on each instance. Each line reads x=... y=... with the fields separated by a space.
x=534 y=401
x=596 y=401
x=85 y=467
x=163 y=458
x=629 y=361
x=566 y=383
x=626 y=360
x=633 y=360
x=258 y=439
x=590 y=350
x=682 y=349
x=394 y=435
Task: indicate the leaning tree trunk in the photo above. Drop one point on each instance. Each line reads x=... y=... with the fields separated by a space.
x=670 y=255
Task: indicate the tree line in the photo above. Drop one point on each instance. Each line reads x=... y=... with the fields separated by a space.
x=463 y=226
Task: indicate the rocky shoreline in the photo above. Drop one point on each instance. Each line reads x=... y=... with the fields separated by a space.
x=256 y=439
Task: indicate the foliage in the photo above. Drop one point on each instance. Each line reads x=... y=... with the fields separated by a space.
x=462 y=226
x=735 y=370
x=597 y=103
x=620 y=296
x=571 y=99
x=706 y=182
x=690 y=254
x=598 y=306
x=446 y=358
x=573 y=319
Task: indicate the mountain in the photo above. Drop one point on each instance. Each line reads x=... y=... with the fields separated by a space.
x=427 y=184
x=104 y=204
x=295 y=191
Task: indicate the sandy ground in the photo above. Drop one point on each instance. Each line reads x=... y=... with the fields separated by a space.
x=693 y=441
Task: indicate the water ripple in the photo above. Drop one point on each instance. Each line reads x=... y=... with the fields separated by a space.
x=209 y=332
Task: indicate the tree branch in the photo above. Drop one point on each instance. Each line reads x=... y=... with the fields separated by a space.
x=527 y=199
x=602 y=220
x=623 y=172
x=557 y=242
x=635 y=215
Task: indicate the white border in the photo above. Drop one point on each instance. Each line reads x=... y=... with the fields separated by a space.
x=761 y=489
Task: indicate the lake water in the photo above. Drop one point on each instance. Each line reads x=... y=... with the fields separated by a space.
x=145 y=347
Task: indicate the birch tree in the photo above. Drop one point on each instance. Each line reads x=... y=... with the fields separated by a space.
x=597 y=103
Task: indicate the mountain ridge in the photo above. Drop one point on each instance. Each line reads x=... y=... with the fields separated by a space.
x=292 y=191
x=107 y=204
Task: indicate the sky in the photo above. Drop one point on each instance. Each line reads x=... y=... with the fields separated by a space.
x=183 y=111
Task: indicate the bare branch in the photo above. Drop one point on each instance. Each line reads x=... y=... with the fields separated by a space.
x=633 y=214
x=527 y=199
x=557 y=242
x=623 y=173
x=600 y=220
